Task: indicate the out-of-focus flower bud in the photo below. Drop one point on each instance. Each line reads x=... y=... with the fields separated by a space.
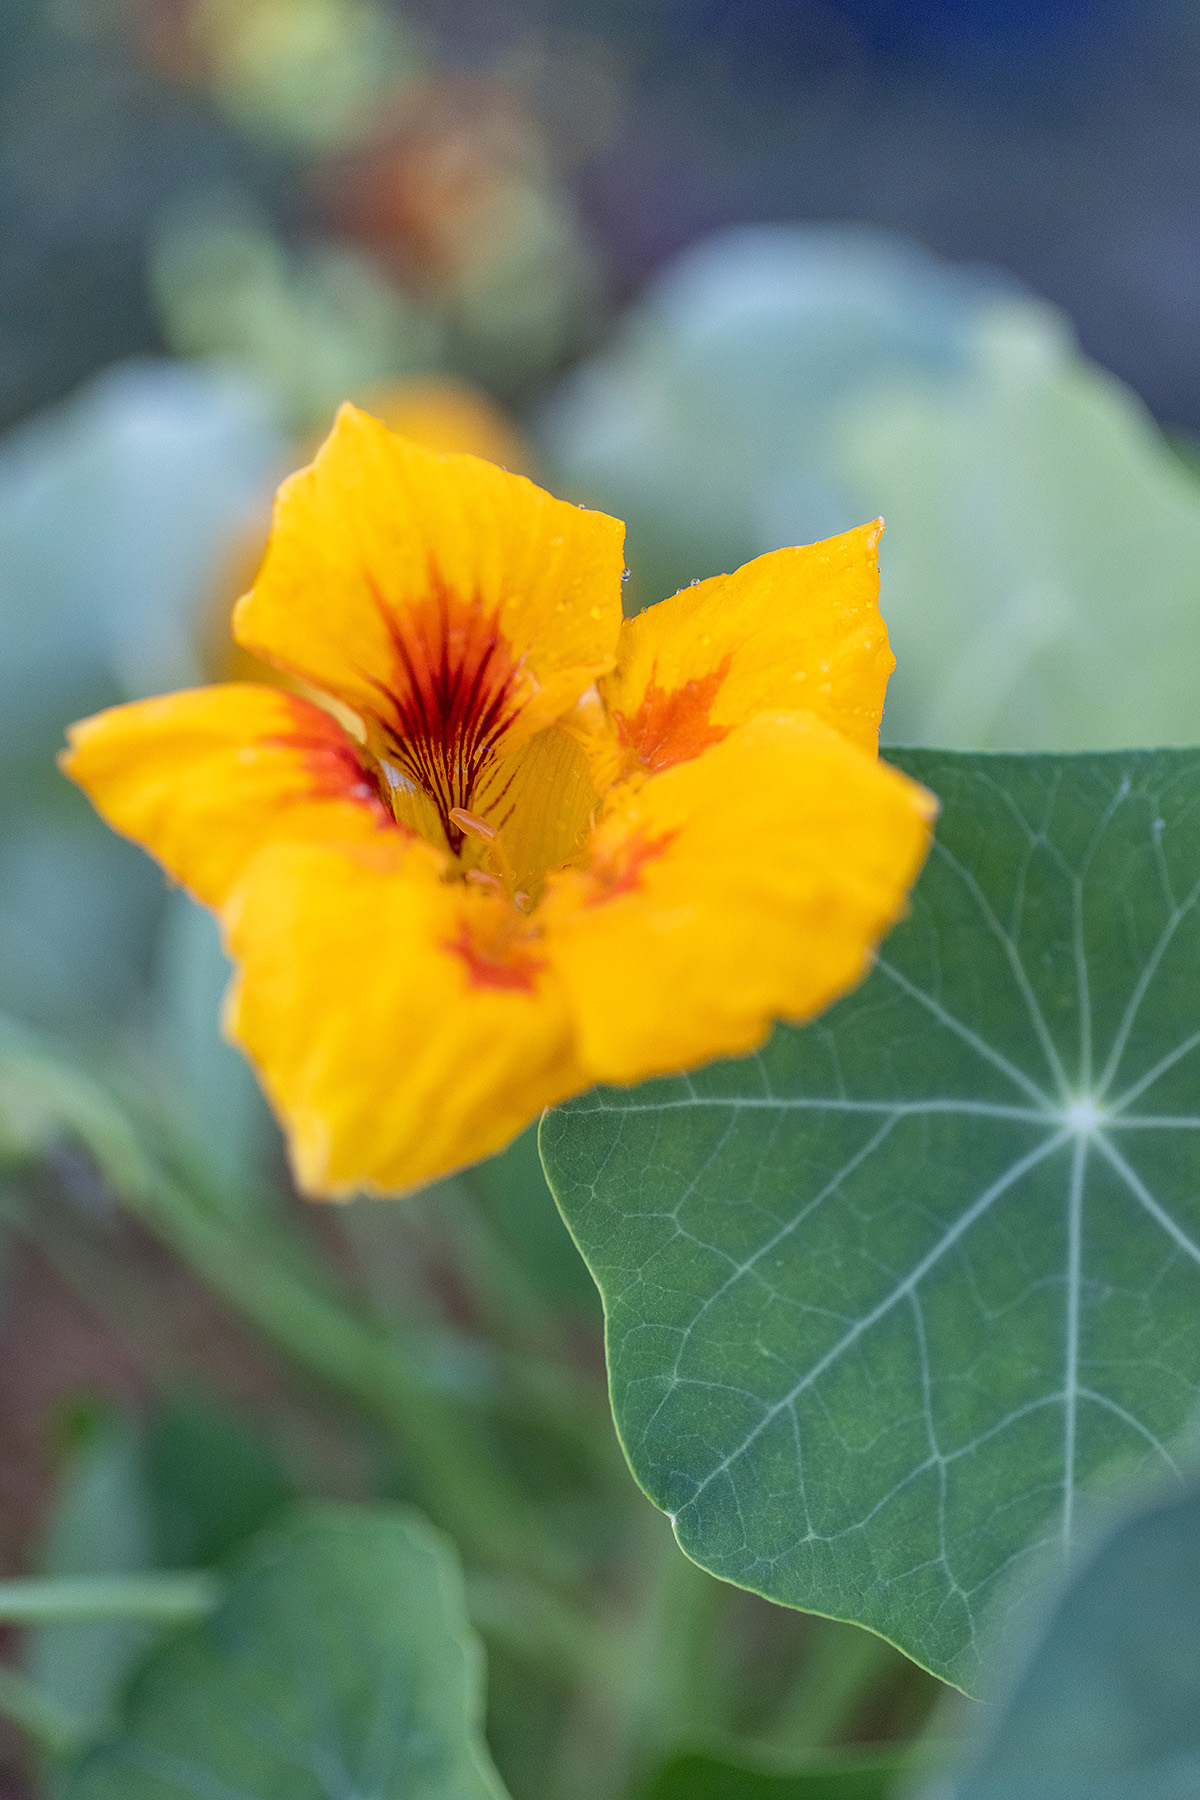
x=302 y=74
x=455 y=197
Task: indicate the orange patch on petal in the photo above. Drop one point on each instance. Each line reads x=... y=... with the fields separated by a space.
x=674 y=724
x=620 y=870
x=513 y=967
x=795 y=630
x=784 y=853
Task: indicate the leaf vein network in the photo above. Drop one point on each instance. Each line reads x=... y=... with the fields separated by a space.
x=933 y=1256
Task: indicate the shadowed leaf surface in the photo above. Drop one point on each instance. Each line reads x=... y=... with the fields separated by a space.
x=700 y=1777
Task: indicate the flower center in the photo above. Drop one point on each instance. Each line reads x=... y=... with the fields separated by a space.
x=450 y=702
x=452 y=695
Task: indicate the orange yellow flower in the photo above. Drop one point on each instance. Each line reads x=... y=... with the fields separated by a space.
x=523 y=846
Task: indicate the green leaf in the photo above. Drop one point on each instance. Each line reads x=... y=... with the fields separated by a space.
x=889 y=1301
x=696 y=1776
x=1106 y=1707
x=340 y=1662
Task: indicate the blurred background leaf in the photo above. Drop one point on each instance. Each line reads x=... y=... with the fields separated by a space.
x=100 y=1524
x=1102 y=1704
x=340 y=1660
x=211 y=1481
x=780 y=384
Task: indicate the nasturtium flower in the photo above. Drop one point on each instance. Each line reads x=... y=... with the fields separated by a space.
x=497 y=844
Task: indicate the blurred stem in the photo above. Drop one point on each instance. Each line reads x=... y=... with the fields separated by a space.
x=527 y=1620
x=840 y=1666
x=657 y=1684
x=48 y=1099
x=533 y=1377
x=532 y=1624
x=676 y=1689
x=161 y=1598
x=461 y=1482
x=46 y=1720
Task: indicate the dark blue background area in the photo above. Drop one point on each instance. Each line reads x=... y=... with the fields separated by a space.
x=930 y=27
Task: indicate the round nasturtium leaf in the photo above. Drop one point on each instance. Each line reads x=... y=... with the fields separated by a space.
x=889 y=1302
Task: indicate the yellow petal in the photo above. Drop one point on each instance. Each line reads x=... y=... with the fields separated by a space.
x=746 y=885
x=202 y=779
x=397 y=1032
x=540 y=802
x=412 y=584
x=797 y=630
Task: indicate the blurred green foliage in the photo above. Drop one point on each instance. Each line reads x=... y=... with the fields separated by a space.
x=100 y=1525
x=698 y=1777
x=211 y=1481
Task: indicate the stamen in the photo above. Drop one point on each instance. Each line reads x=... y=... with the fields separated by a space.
x=523 y=902
x=482 y=879
x=472 y=824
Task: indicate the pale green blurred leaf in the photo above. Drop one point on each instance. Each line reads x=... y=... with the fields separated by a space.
x=117 y=508
x=1108 y=1704
x=1041 y=564
x=340 y=1663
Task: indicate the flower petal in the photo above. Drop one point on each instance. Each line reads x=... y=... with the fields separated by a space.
x=202 y=779
x=749 y=884
x=395 y=575
x=395 y=1031
x=797 y=630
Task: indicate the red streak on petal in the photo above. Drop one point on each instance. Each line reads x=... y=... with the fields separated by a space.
x=672 y=725
x=516 y=968
x=449 y=697
x=333 y=765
